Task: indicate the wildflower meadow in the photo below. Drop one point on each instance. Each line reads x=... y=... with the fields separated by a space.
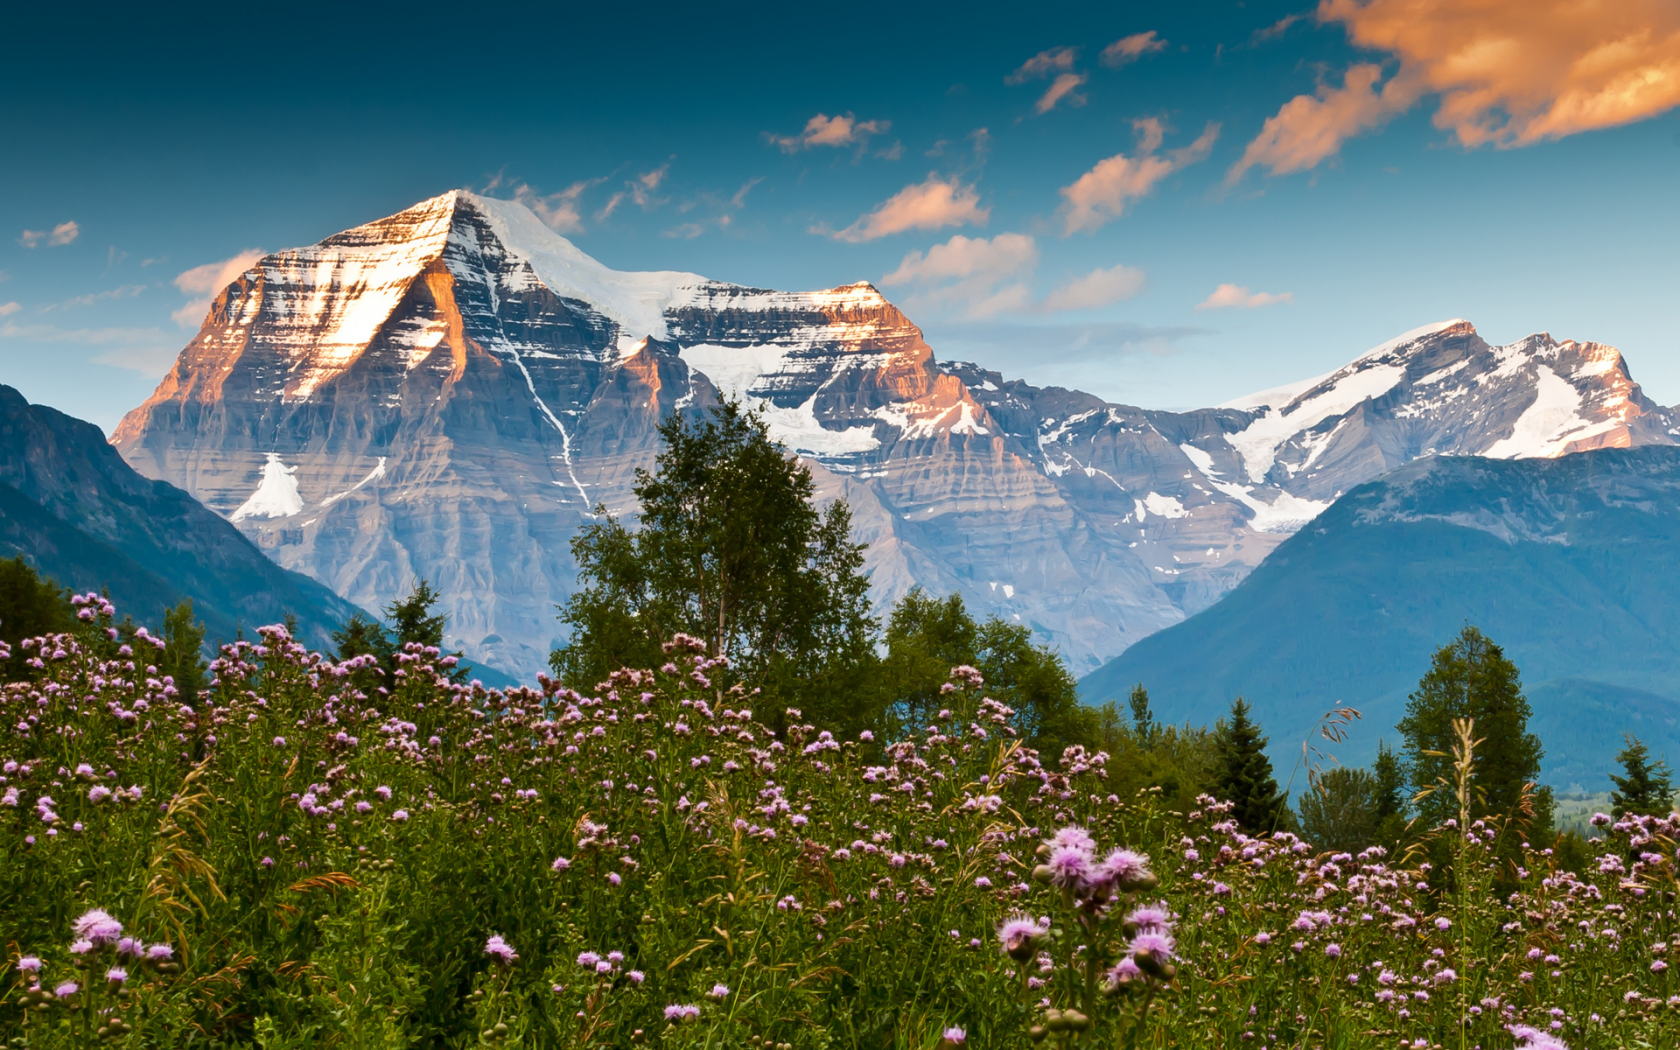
x=311 y=853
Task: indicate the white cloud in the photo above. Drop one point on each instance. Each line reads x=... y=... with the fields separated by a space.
x=559 y=210
x=63 y=233
x=928 y=205
x=1228 y=296
x=8 y=309
x=1097 y=289
x=979 y=277
x=1102 y=193
x=1130 y=49
x=1310 y=128
x=824 y=130
x=203 y=283
x=126 y=291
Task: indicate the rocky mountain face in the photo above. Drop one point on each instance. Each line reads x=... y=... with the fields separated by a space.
x=73 y=509
x=1567 y=563
x=450 y=392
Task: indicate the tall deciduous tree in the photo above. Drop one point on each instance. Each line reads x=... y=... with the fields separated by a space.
x=1471 y=678
x=30 y=606
x=1245 y=774
x=1646 y=788
x=731 y=549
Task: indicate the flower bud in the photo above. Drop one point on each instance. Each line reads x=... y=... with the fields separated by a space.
x=1042 y=873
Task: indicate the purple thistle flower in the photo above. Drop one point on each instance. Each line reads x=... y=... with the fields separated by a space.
x=158 y=953
x=1126 y=868
x=500 y=950
x=67 y=989
x=81 y=946
x=131 y=947
x=116 y=975
x=954 y=1036
x=1018 y=934
x=719 y=991
x=636 y=976
x=1075 y=836
x=681 y=1014
x=29 y=964
x=1069 y=865
x=98 y=793
x=587 y=960
x=1151 y=950
x=400 y=815
x=1534 y=1039
x=560 y=864
x=97 y=926
x=613 y=878
x=1151 y=917
x=1124 y=972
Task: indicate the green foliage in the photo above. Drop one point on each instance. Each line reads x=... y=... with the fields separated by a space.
x=926 y=637
x=1645 y=788
x=29 y=606
x=182 y=659
x=1340 y=810
x=1390 y=774
x=1143 y=719
x=1245 y=774
x=732 y=550
x=1471 y=678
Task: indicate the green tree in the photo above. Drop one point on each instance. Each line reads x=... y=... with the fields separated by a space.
x=732 y=550
x=1390 y=776
x=1339 y=811
x=927 y=636
x=1143 y=719
x=1245 y=774
x=30 y=606
x=183 y=652
x=1646 y=788
x=1471 y=678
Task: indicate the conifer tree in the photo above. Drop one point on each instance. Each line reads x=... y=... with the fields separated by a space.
x=1339 y=811
x=30 y=605
x=1646 y=789
x=1245 y=774
x=1143 y=719
x=1471 y=678
x=1390 y=777
x=183 y=653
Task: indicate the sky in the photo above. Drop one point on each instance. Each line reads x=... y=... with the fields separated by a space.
x=1168 y=205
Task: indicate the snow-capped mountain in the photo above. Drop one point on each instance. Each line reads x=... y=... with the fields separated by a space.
x=449 y=392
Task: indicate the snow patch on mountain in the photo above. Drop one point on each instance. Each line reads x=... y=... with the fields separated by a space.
x=1160 y=506
x=635 y=300
x=1550 y=424
x=738 y=371
x=277 y=494
x=1258 y=443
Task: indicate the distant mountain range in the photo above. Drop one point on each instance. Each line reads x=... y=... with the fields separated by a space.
x=1569 y=564
x=449 y=392
x=78 y=513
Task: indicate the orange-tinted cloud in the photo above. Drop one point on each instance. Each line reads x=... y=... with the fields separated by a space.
x=1103 y=192
x=1227 y=296
x=1130 y=49
x=63 y=233
x=1101 y=287
x=929 y=205
x=203 y=282
x=1043 y=64
x=824 y=130
x=1062 y=87
x=1506 y=73
x=1310 y=128
x=983 y=277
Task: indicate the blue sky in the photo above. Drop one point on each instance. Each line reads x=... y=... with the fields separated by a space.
x=1168 y=205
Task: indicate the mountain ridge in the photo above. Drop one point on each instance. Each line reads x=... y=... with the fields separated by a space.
x=450 y=391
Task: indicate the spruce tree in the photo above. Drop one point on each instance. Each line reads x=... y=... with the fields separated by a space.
x=30 y=606
x=1245 y=774
x=1340 y=810
x=183 y=653
x=1390 y=777
x=1143 y=719
x=1646 y=790
x=1471 y=678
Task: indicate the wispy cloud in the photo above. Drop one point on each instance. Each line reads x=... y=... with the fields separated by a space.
x=1056 y=63
x=145 y=350
x=931 y=204
x=1101 y=194
x=1131 y=48
x=1275 y=30
x=824 y=130
x=559 y=211
x=126 y=291
x=1235 y=296
x=1507 y=73
x=1097 y=289
x=977 y=277
x=639 y=191
x=8 y=309
x=203 y=283
x=63 y=233
x=724 y=211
